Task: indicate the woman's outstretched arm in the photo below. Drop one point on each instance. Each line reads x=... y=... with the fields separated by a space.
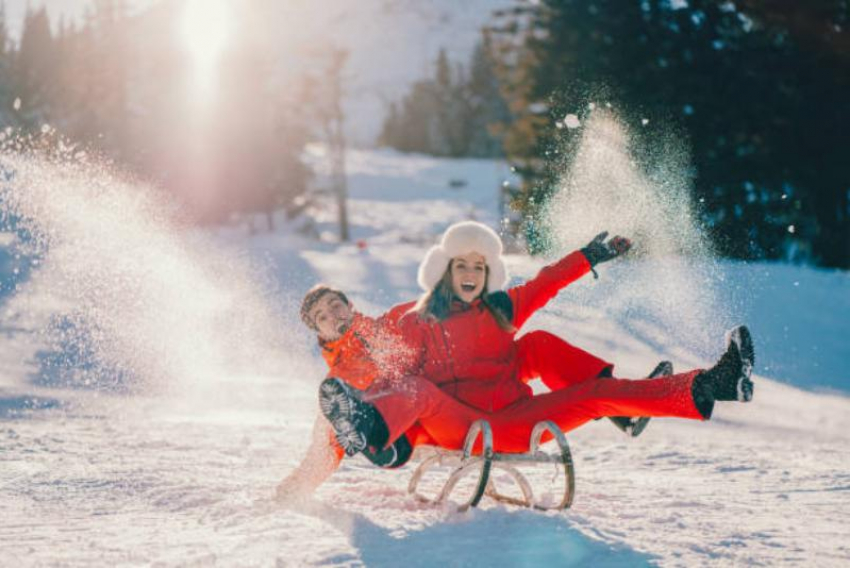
x=529 y=297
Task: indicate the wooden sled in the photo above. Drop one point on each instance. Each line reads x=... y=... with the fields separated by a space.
x=465 y=463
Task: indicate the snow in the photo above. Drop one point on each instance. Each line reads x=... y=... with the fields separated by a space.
x=181 y=470
x=571 y=121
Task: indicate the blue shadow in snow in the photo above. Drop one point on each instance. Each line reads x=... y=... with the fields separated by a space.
x=479 y=538
x=71 y=361
x=23 y=406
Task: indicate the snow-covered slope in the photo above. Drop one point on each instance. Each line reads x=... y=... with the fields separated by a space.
x=184 y=473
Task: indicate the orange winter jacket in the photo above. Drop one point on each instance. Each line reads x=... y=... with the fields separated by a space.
x=348 y=357
x=371 y=348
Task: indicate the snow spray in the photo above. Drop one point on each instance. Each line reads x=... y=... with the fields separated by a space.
x=667 y=280
x=133 y=298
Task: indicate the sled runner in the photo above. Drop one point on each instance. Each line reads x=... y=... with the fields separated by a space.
x=487 y=462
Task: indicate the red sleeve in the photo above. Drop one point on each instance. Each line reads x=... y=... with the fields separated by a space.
x=395 y=346
x=410 y=328
x=394 y=314
x=536 y=293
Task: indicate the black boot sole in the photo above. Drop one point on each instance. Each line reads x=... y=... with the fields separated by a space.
x=743 y=340
x=341 y=407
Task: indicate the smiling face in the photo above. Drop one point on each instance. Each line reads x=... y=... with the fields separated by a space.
x=469 y=274
x=331 y=316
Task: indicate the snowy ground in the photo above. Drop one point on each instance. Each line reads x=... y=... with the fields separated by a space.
x=182 y=472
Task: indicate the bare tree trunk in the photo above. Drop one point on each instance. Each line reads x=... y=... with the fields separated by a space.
x=336 y=140
x=326 y=94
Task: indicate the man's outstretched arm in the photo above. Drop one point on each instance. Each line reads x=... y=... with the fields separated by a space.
x=321 y=460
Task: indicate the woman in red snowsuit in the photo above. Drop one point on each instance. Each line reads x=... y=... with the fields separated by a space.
x=464 y=338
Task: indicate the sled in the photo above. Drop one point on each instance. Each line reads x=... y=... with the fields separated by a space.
x=464 y=463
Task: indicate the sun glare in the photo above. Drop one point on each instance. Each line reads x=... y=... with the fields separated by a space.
x=206 y=30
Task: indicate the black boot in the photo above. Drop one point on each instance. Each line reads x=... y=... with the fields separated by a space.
x=357 y=424
x=395 y=455
x=729 y=379
x=633 y=426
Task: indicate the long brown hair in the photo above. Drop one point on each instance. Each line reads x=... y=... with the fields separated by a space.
x=436 y=304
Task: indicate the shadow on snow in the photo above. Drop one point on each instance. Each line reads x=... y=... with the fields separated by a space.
x=478 y=538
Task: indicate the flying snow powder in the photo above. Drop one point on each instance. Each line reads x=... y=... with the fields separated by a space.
x=571 y=121
x=139 y=298
x=608 y=186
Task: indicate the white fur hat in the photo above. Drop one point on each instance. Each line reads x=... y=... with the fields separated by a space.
x=463 y=238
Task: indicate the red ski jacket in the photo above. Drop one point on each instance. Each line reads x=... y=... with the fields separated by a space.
x=469 y=356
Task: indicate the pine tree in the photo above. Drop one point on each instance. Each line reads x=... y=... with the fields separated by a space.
x=456 y=113
x=442 y=135
x=736 y=81
x=110 y=69
x=390 y=131
x=419 y=123
x=33 y=69
x=489 y=113
x=6 y=88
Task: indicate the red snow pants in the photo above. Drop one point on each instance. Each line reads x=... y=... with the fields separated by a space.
x=542 y=355
x=446 y=420
x=557 y=363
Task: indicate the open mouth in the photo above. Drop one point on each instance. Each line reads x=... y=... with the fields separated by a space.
x=467 y=287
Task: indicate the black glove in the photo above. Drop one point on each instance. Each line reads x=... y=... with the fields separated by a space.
x=600 y=251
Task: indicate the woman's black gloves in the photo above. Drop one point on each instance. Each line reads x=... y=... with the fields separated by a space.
x=600 y=251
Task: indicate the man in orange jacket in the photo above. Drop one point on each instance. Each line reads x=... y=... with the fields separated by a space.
x=358 y=350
